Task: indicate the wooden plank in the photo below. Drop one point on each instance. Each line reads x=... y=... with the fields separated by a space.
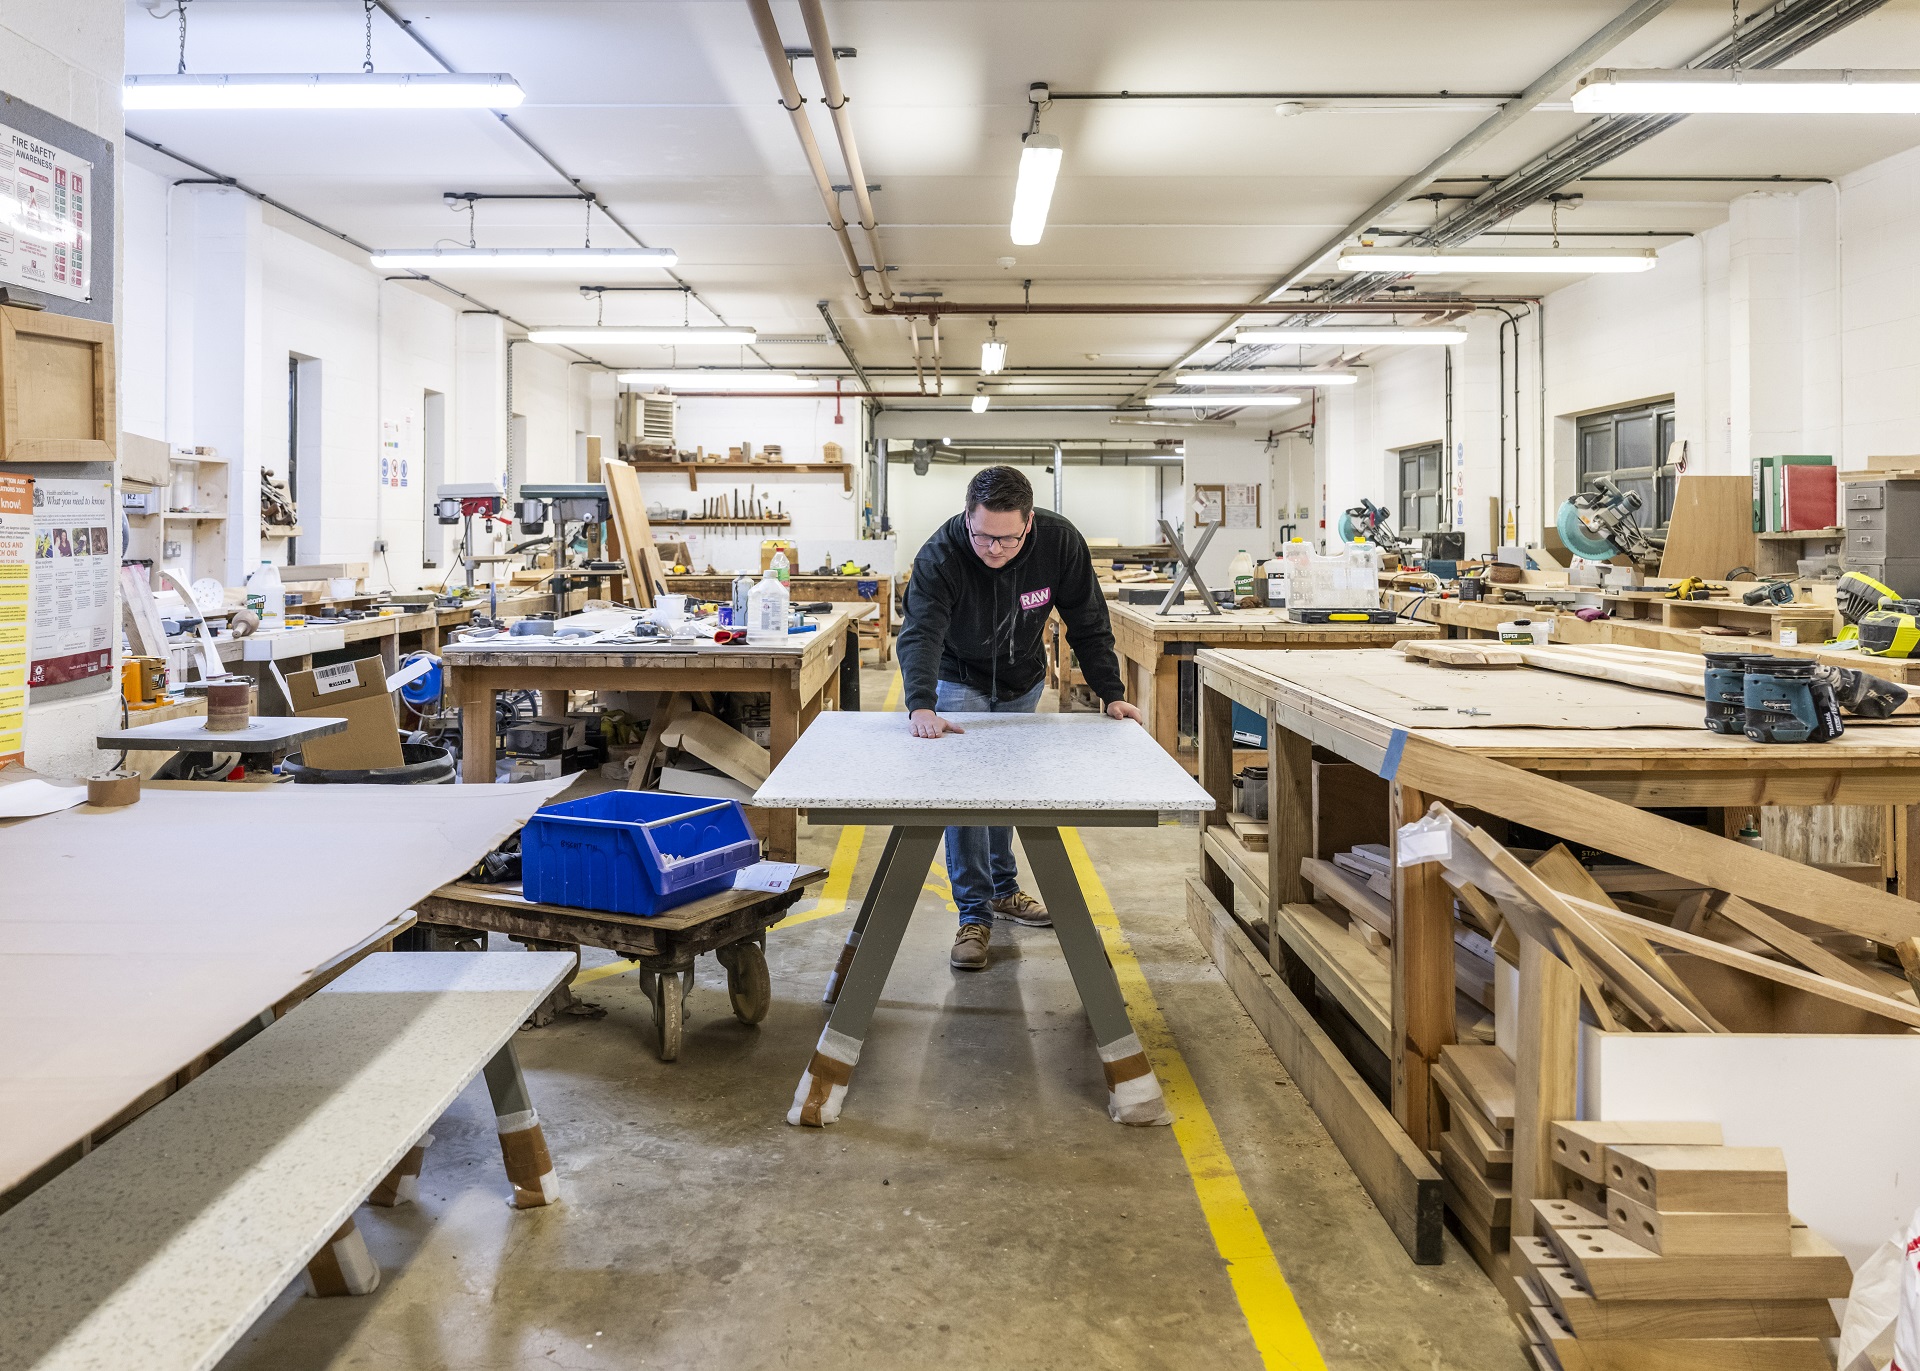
x=1606 y=1320
x=1492 y=1146
x=1487 y=1075
x=1620 y=672
x=628 y=505
x=1616 y=1269
x=1590 y=982
x=1240 y=867
x=1252 y=833
x=1545 y=1076
x=1345 y=969
x=1580 y=1145
x=1423 y=991
x=1720 y=1180
x=1796 y=945
x=1681 y=1233
x=1402 y=1182
x=1632 y=834
x=1488 y=1203
x=1463 y=652
x=1347 y=891
x=1678 y=1353
x=720 y=746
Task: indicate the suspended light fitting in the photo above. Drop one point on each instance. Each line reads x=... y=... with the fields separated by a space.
x=670 y=337
x=1610 y=90
x=980 y=402
x=720 y=380
x=527 y=259
x=1413 y=260
x=1040 y=155
x=322 y=90
x=1266 y=378
x=993 y=352
x=1218 y=400
x=1378 y=335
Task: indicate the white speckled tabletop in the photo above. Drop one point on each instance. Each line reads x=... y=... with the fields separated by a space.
x=1060 y=762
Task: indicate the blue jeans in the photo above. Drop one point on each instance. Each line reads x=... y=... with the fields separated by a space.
x=980 y=860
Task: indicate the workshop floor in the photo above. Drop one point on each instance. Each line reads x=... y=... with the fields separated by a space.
x=974 y=1207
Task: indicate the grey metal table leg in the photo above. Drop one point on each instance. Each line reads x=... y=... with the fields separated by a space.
x=523 y=1146
x=839 y=976
x=887 y=911
x=1133 y=1091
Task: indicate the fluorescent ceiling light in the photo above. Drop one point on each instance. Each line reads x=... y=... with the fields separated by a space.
x=526 y=259
x=1218 y=401
x=1414 y=260
x=1614 y=91
x=1265 y=378
x=342 y=90
x=993 y=356
x=721 y=380
x=672 y=337
x=1378 y=335
x=980 y=403
x=1033 y=192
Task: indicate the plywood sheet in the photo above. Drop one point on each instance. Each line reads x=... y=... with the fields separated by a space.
x=1413 y=694
x=629 y=508
x=1711 y=531
x=133 y=940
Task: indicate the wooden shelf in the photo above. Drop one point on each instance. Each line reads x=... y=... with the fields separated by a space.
x=750 y=470
x=275 y=532
x=187 y=514
x=1804 y=535
x=715 y=523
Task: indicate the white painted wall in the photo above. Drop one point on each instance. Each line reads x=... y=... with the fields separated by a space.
x=68 y=58
x=1103 y=502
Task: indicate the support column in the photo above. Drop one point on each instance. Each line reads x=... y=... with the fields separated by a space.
x=480 y=400
x=1765 y=356
x=1422 y=1007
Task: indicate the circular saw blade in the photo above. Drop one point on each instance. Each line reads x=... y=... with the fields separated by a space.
x=1580 y=541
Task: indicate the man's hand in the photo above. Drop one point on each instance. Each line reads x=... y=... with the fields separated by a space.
x=1120 y=709
x=924 y=723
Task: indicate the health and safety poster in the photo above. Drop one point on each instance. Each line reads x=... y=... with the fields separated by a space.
x=76 y=555
x=16 y=553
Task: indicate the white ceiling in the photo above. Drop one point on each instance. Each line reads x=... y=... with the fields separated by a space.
x=667 y=110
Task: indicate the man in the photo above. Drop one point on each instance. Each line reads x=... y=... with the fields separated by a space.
x=983 y=586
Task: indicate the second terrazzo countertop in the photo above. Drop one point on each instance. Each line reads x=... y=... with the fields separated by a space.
x=1057 y=762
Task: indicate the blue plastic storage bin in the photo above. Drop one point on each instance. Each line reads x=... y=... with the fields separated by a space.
x=634 y=852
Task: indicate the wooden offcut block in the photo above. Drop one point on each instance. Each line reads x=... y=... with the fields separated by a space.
x=1614 y=1268
x=1583 y=1192
x=1596 y=1320
x=1489 y=1204
x=1486 y=1074
x=1677 y=1354
x=1680 y=1233
x=1581 y=1145
x=1718 y=1180
x=1491 y=1145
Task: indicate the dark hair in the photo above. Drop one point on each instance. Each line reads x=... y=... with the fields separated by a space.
x=1001 y=489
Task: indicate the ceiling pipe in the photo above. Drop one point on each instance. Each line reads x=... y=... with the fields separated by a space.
x=828 y=66
x=795 y=105
x=934 y=309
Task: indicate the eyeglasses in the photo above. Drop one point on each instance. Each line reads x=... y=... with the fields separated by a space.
x=989 y=544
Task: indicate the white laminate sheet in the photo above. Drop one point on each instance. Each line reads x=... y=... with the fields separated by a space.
x=1041 y=762
x=134 y=939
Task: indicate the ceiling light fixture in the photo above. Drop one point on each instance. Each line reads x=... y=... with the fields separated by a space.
x=720 y=380
x=980 y=402
x=1217 y=401
x=1610 y=90
x=322 y=90
x=993 y=352
x=527 y=259
x=670 y=337
x=1378 y=335
x=1040 y=155
x=1266 y=378
x=1477 y=263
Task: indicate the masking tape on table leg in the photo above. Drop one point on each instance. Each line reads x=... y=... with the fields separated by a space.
x=343 y=1266
x=1133 y=1091
x=841 y=967
x=523 y=1146
x=402 y=1185
x=823 y=1085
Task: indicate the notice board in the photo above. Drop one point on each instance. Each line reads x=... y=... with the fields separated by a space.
x=57 y=189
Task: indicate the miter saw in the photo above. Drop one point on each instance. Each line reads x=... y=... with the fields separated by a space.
x=1599 y=524
x=1367 y=522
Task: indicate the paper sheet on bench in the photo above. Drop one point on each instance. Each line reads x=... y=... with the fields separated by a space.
x=133 y=940
x=30 y=799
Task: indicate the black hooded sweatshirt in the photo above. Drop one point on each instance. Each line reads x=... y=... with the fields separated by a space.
x=976 y=626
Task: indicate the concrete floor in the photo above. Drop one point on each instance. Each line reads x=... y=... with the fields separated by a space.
x=974 y=1207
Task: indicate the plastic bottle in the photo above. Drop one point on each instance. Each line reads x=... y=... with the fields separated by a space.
x=1241 y=569
x=780 y=567
x=767 y=610
x=266 y=596
x=1276 y=570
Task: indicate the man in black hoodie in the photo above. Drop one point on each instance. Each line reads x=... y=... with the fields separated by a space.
x=983 y=586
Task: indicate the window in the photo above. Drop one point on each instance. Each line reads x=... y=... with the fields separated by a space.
x=1420 y=492
x=1635 y=448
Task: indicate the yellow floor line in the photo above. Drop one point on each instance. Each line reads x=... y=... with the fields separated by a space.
x=600 y=973
x=895 y=691
x=1273 y=1316
x=833 y=895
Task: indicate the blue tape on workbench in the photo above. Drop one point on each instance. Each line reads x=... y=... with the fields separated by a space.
x=1390 y=764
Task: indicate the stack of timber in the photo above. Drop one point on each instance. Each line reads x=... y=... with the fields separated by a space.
x=1673 y=1251
x=1357 y=884
x=1476 y=1150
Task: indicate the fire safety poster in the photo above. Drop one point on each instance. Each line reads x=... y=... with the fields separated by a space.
x=16 y=562
x=46 y=238
x=76 y=555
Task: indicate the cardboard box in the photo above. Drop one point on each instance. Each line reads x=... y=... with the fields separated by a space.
x=357 y=692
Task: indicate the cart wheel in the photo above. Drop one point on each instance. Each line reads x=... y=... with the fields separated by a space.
x=669 y=1013
x=649 y=983
x=748 y=984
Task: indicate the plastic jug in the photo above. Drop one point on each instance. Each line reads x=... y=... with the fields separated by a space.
x=767 y=610
x=1276 y=572
x=266 y=596
x=1241 y=569
x=780 y=567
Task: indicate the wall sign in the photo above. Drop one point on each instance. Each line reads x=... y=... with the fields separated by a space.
x=1242 y=505
x=1209 y=505
x=46 y=234
x=76 y=554
x=16 y=561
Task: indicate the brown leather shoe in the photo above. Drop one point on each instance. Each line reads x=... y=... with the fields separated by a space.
x=970 y=948
x=1022 y=908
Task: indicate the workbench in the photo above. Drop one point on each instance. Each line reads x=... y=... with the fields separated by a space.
x=799 y=678
x=854 y=590
x=1154 y=647
x=1587 y=785
x=732 y=925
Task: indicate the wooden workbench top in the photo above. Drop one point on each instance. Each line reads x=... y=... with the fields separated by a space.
x=537 y=651
x=1193 y=624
